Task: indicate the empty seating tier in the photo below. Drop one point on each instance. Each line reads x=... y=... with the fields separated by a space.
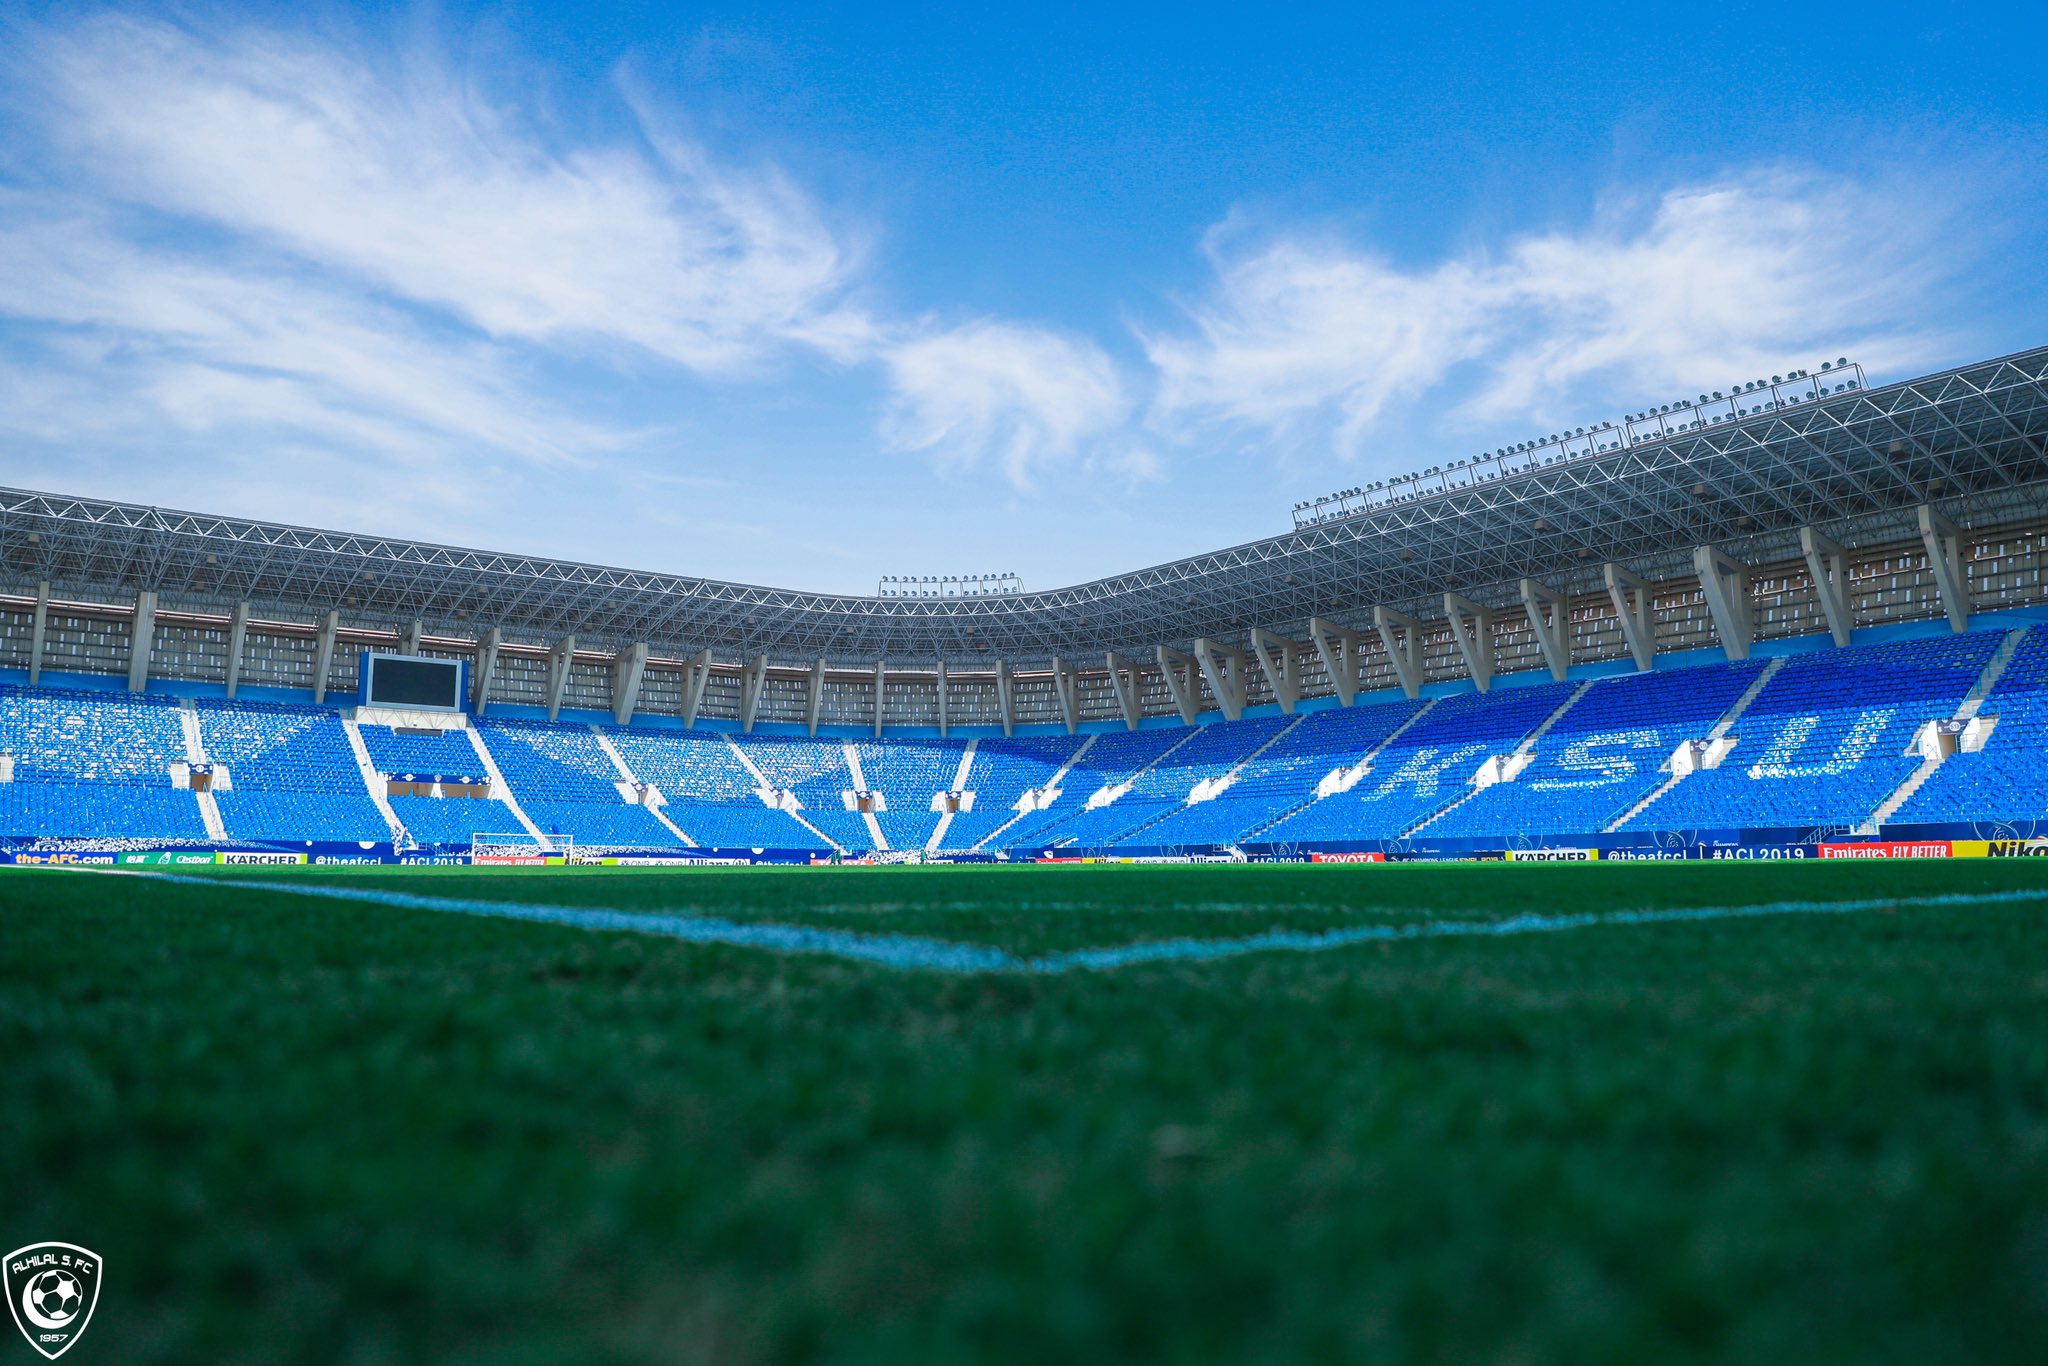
x=1821 y=739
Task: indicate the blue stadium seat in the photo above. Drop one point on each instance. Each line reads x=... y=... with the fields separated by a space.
x=1426 y=767
x=91 y=765
x=1826 y=740
x=567 y=785
x=1605 y=754
x=293 y=775
x=2007 y=780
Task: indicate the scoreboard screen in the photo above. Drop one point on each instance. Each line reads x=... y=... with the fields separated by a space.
x=412 y=681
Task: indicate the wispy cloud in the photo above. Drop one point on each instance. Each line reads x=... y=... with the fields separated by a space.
x=209 y=345
x=417 y=184
x=1026 y=397
x=1300 y=335
x=271 y=233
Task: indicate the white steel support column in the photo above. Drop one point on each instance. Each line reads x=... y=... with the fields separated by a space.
x=1224 y=666
x=559 y=661
x=696 y=675
x=1006 y=700
x=1339 y=648
x=40 y=627
x=1179 y=669
x=1123 y=680
x=627 y=671
x=238 y=640
x=814 y=700
x=1280 y=659
x=1944 y=542
x=1553 y=632
x=1401 y=635
x=487 y=647
x=1066 y=693
x=944 y=720
x=323 y=656
x=880 y=673
x=1827 y=564
x=752 y=678
x=141 y=634
x=1472 y=628
x=1725 y=581
x=414 y=634
x=1632 y=596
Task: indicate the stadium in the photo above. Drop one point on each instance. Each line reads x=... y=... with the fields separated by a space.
x=1523 y=837
x=1801 y=620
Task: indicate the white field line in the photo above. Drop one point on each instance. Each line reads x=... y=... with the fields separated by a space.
x=917 y=952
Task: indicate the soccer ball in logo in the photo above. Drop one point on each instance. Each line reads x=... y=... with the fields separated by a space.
x=56 y=1295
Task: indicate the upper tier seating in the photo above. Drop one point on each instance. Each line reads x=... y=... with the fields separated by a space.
x=1603 y=755
x=93 y=737
x=1825 y=741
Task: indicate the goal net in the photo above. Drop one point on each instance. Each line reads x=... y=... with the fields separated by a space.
x=518 y=847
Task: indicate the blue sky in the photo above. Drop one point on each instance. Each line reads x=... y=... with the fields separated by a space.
x=808 y=297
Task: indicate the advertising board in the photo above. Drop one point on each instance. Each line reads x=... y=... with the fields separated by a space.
x=1890 y=849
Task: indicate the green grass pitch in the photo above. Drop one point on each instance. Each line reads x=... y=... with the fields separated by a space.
x=313 y=1130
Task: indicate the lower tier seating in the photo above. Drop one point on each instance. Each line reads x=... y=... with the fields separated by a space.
x=1819 y=738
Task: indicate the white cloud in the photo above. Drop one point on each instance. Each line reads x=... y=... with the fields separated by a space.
x=1702 y=285
x=1027 y=397
x=276 y=234
x=418 y=185
x=207 y=346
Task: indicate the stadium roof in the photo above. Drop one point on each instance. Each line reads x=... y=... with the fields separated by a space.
x=1973 y=440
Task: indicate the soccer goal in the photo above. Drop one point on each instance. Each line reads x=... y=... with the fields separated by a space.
x=518 y=847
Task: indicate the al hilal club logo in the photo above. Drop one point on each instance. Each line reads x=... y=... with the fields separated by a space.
x=52 y=1287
